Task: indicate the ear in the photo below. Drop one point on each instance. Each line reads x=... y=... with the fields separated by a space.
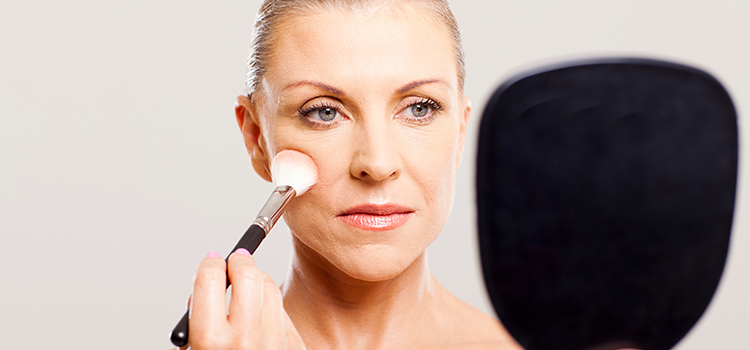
x=463 y=121
x=249 y=122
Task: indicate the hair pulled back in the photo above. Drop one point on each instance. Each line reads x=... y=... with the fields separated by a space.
x=273 y=12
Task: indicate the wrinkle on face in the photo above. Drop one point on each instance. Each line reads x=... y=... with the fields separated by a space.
x=368 y=66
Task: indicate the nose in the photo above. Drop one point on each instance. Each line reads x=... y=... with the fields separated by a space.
x=376 y=157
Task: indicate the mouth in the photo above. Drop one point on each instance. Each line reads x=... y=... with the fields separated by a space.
x=373 y=217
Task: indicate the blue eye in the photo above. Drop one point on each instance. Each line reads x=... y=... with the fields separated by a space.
x=420 y=110
x=327 y=114
x=321 y=115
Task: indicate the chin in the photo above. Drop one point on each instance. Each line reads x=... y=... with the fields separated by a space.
x=368 y=262
x=375 y=263
x=361 y=255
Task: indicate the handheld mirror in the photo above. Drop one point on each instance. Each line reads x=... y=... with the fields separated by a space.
x=605 y=194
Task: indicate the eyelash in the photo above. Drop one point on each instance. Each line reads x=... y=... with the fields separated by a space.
x=432 y=104
x=303 y=112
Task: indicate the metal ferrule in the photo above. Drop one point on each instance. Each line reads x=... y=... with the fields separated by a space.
x=274 y=207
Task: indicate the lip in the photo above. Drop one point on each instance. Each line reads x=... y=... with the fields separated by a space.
x=376 y=217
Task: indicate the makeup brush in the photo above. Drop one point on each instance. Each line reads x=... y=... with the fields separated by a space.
x=293 y=173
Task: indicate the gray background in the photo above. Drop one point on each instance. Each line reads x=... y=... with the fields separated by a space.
x=121 y=164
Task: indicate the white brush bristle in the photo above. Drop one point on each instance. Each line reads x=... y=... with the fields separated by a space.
x=296 y=169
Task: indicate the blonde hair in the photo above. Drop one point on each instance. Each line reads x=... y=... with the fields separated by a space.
x=273 y=12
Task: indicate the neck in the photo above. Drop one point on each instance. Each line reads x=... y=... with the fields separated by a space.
x=331 y=308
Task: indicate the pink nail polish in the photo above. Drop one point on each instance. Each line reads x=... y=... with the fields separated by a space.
x=242 y=251
x=213 y=255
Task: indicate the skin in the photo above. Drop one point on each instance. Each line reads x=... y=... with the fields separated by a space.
x=353 y=288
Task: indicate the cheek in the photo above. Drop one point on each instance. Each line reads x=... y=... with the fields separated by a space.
x=433 y=168
x=316 y=207
x=325 y=153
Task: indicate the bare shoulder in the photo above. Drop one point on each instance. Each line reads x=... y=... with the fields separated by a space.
x=481 y=331
x=500 y=345
x=469 y=328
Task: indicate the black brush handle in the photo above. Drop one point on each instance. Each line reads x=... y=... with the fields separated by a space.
x=250 y=241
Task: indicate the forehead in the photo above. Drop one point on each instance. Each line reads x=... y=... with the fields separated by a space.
x=391 y=45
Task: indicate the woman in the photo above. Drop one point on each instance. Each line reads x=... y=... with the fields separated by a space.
x=373 y=92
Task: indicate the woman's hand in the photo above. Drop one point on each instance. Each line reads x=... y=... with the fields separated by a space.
x=256 y=319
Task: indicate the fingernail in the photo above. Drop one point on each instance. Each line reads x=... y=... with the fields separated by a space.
x=242 y=251
x=213 y=255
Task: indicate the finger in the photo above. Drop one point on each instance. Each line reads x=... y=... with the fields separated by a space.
x=247 y=291
x=208 y=309
x=273 y=312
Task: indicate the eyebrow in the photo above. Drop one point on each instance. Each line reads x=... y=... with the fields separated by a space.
x=338 y=92
x=418 y=83
x=328 y=88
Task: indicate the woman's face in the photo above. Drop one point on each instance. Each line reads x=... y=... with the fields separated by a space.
x=373 y=98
